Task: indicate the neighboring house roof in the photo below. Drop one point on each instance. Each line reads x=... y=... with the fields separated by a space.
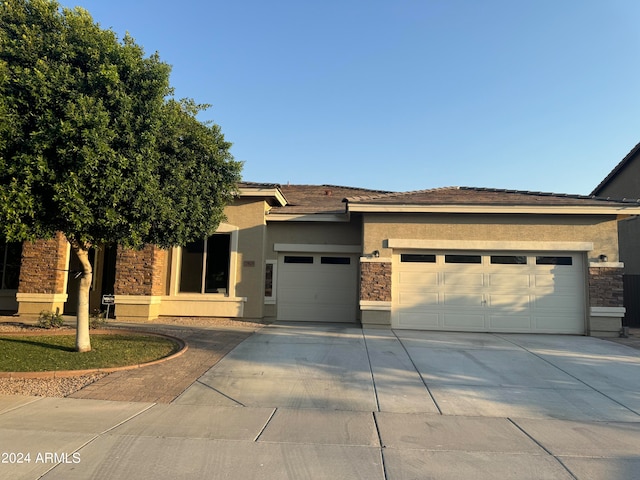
x=616 y=170
x=487 y=200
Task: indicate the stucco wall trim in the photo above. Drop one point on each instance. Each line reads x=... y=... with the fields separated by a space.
x=489 y=245
x=373 y=305
x=606 y=265
x=607 y=311
x=318 y=248
x=304 y=217
x=41 y=297
x=376 y=259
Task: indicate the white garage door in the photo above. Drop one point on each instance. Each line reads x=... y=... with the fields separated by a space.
x=317 y=287
x=489 y=292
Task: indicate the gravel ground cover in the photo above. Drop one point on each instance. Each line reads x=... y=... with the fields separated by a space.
x=63 y=387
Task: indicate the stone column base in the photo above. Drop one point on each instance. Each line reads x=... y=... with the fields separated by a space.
x=31 y=304
x=137 y=308
x=375 y=314
x=605 y=321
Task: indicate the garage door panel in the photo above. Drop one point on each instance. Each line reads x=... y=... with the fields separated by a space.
x=510 y=302
x=415 y=301
x=568 y=323
x=513 y=322
x=459 y=300
x=504 y=292
x=463 y=321
x=418 y=278
x=462 y=279
x=555 y=281
x=554 y=301
x=510 y=281
x=413 y=320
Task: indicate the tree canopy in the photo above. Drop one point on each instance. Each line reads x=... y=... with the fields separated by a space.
x=92 y=143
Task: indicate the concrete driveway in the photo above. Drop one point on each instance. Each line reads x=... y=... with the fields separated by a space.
x=333 y=402
x=495 y=375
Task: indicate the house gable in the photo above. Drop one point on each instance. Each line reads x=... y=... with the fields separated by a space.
x=624 y=180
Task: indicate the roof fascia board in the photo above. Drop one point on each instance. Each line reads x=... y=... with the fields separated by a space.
x=541 y=209
x=307 y=217
x=264 y=192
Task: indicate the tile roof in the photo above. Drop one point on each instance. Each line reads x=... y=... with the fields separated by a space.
x=482 y=196
x=303 y=199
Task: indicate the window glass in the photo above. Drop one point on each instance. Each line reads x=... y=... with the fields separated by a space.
x=509 y=259
x=336 y=260
x=217 y=276
x=554 y=261
x=463 y=259
x=268 y=281
x=10 y=258
x=417 y=258
x=205 y=265
x=296 y=259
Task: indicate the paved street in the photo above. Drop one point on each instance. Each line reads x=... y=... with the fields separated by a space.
x=303 y=401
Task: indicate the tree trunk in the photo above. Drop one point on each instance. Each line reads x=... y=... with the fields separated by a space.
x=83 y=342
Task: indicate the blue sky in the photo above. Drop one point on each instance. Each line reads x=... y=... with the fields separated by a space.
x=405 y=94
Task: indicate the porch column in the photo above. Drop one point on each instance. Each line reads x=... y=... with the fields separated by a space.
x=43 y=276
x=606 y=299
x=375 y=292
x=139 y=283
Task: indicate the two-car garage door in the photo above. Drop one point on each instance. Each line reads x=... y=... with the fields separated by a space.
x=489 y=291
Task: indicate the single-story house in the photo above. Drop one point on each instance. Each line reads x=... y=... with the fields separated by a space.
x=455 y=258
x=624 y=182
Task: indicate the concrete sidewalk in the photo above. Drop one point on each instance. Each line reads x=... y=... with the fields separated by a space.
x=320 y=402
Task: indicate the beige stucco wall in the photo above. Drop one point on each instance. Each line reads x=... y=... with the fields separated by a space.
x=324 y=233
x=249 y=216
x=600 y=230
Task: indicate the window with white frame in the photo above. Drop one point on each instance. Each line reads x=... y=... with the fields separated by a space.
x=205 y=265
x=270 y=281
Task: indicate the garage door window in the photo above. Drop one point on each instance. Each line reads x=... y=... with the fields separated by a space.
x=417 y=258
x=335 y=260
x=508 y=260
x=297 y=259
x=554 y=261
x=463 y=259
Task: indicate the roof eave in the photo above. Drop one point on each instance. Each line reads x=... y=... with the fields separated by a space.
x=308 y=217
x=273 y=193
x=632 y=209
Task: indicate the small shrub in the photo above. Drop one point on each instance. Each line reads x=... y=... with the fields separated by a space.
x=97 y=319
x=50 y=320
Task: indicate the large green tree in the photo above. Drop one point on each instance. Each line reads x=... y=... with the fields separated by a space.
x=93 y=145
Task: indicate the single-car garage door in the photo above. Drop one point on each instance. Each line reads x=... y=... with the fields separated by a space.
x=489 y=291
x=317 y=287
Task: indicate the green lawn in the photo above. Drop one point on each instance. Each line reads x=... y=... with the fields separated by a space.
x=56 y=352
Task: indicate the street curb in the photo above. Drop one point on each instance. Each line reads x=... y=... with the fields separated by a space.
x=76 y=373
